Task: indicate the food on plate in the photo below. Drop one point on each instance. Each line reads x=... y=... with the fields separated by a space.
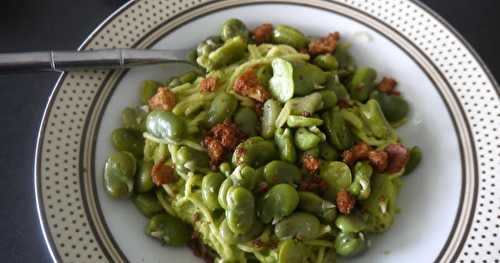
x=282 y=150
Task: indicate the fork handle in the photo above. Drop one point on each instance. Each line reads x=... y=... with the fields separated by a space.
x=69 y=60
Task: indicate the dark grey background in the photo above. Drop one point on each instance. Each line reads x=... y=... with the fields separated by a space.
x=60 y=24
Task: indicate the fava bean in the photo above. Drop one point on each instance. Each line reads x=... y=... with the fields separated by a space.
x=270 y=111
x=329 y=98
x=222 y=107
x=327 y=152
x=245 y=176
x=224 y=188
x=395 y=108
x=234 y=27
x=336 y=129
x=301 y=226
x=247 y=121
x=282 y=85
x=192 y=159
x=134 y=119
x=374 y=119
x=226 y=168
x=344 y=57
x=119 y=172
x=128 y=140
x=210 y=186
x=337 y=176
x=306 y=140
x=350 y=223
x=280 y=201
x=231 y=51
x=362 y=83
x=288 y=35
x=415 y=159
x=278 y=172
x=283 y=138
x=148 y=204
x=291 y=251
x=166 y=125
x=326 y=62
x=169 y=229
x=143 y=180
x=312 y=203
x=360 y=187
x=306 y=77
x=240 y=213
x=295 y=121
x=349 y=244
x=147 y=90
x=255 y=152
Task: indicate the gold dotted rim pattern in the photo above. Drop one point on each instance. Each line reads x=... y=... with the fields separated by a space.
x=65 y=185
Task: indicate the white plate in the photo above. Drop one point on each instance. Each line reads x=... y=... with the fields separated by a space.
x=450 y=205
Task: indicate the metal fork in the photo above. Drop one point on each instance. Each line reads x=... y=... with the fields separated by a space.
x=103 y=59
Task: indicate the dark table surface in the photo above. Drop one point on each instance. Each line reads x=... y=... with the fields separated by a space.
x=29 y=25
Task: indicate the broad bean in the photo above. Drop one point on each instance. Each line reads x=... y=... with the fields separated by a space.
x=255 y=151
x=210 y=186
x=299 y=225
x=283 y=138
x=362 y=83
x=306 y=140
x=280 y=201
x=336 y=129
x=222 y=107
x=278 y=172
x=247 y=121
x=166 y=125
x=169 y=229
x=119 y=172
x=270 y=111
x=288 y=35
x=148 y=204
x=312 y=203
x=337 y=176
x=240 y=213
x=124 y=139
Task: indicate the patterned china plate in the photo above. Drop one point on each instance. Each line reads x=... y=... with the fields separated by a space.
x=450 y=206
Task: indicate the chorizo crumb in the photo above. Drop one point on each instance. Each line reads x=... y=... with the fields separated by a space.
x=215 y=150
x=313 y=184
x=387 y=85
x=358 y=152
x=262 y=33
x=398 y=157
x=378 y=160
x=310 y=163
x=164 y=99
x=348 y=157
x=345 y=202
x=162 y=174
x=228 y=134
x=248 y=85
x=343 y=103
x=208 y=84
x=324 y=45
x=223 y=136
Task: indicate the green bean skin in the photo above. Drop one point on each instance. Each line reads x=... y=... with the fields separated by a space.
x=415 y=159
x=306 y=76
x=270 y=112
x=362 y=83
x=395 y=108
x=336 y=129
x=119 y=172
x=278 y=172
x=232 y=51
x=327 y=152
x=148 y=204
x=360 y=187
x=172 y=231
x=143 y=180
x=280 y=201
x=374 y=118
x=247 y=121
x=283 y=138
x=166 y=125
x=288 y=35
x=306 y=140
x=128 y=140
x=222 y=107
x=210 y=186
x=312 y=203
x=234 y=27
